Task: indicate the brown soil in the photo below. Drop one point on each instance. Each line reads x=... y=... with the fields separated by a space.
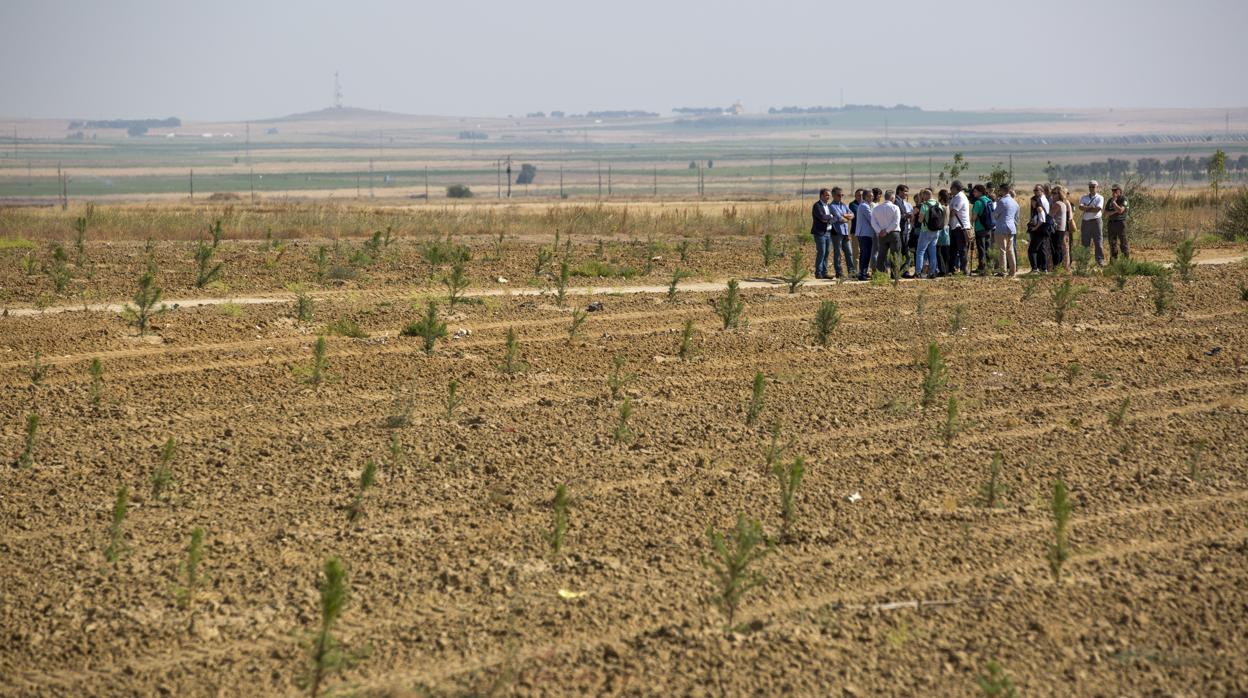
x=453 y=589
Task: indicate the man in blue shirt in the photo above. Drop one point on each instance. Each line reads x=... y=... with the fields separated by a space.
x=840 y=234
x=1005 y=216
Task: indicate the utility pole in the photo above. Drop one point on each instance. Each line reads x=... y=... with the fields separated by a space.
x=561 y=181
x=58 y=167
x=656 y=181
x=498 y=179
x=608 y=180
x=64 y=191
x=1011 y=169
x=251 y=178
x=248 y=158
x=370 y=178
x=508 y=176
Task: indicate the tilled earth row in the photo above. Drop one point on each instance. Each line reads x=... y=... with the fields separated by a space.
x=897 y=579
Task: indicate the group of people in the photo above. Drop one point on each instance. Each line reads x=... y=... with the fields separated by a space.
x=935 y=234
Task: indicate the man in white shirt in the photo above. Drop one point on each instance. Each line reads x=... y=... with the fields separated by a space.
x=886 y=219
x=865 y=233
x=1005 y=216
x=960 y=230
x=1093 y=205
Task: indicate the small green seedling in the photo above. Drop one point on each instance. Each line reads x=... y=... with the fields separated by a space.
x=789 y=477
x=453 y=399
x=397 y=455
x=145 y=300
x=314 y=374
x=185 y=594
x=345 y=327
x=97 y=381
x=322 y=262
x=559 y=527
x=677 y=276
x=618 y=380
x=1184 y=255
x=305 y=307
x=1163 y=293
x=326 y=655
x=80 y=240
x=38 y=369
x=935 y=376
x=1243 y=292
x=729 y=307
x=1060 y=552
x=543 y=261
x=686 y=349
x=1065 y=298
x=206 y=272
x=27 y=457
x=578 y=319
x=561 y=282
x=456 y=281
x=429 y=328
x=756 y=399
x=996 y=683
x=511 y=355
x=368 y=478
x=162 y=474
x=623 y=434
x=1082 y=257
x=58 y=269
x=770 y=253
x=991 y=491
x=732 y=555
x=116 y=535
x=827 y=318
x=683 y=249
x=953 y=423
x=797 y=271
x=957 y=319
x=1030 y=285
x=1073 y=371
x=1118 y=418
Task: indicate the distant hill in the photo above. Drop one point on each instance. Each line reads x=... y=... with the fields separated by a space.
x=339 y=114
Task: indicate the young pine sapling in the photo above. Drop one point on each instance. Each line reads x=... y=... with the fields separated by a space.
x=732 y=556
x=456 y=281
x=991 y=490
x=116 y=535
x=561 y=282
x=827 y=317
x=677 y=276
x=27 y=457
x=326 y=655
x=97 y=381
x=511 y=354
x=996 y=683
x=789 y=476
x=314 y=374
x=185 y=594
x=429 y=328
x=686 y=349
x=206 y=271
x=618 y=380
x=770 y=253
x=578 y=319
x=38 y=369
x=1065 y=298
x=1183 y=256
x=1059 y=553
x=797 y=271
x=623 y=434
x=1118 y=418
x=559 y=526
x=935 y=375
x=957 y=319
x=1163 y=293
x=953 y=423
x=729 y=307
x=145 y=300
x=453 y=399
x=162 y=474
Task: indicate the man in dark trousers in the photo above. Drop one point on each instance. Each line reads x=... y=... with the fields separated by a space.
x=1116 y=210
x=822 y=220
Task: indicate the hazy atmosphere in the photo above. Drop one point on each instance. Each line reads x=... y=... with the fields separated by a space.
x=250 y=60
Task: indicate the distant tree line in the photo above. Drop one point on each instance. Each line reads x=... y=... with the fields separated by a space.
x=847 y=107
x=171 y=122
x=700 y=111
x=619 y=114
x=1154 y=169
x=473 y=136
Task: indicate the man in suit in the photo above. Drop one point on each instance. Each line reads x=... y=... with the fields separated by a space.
x=822 y=220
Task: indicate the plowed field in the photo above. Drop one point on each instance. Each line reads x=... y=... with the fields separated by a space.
x=898 y=579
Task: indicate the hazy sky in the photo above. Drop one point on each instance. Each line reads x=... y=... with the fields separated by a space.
x=257 y=59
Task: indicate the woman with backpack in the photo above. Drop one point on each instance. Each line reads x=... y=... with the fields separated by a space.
x=931 y=222
x=1063 y=224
